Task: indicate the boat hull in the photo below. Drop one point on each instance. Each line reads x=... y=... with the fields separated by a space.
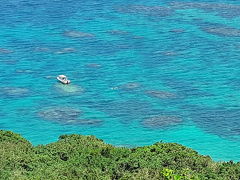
x=63 y=81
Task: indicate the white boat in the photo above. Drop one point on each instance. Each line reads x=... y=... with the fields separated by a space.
x=63 y=79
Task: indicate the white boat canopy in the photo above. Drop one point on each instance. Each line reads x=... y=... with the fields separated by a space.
x=62 y=76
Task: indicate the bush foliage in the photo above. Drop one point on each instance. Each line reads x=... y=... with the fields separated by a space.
x=86 y=157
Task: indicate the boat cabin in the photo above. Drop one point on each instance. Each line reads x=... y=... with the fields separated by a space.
x=63 y=79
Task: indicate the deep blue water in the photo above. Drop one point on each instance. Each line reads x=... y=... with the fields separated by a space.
x=141 y=72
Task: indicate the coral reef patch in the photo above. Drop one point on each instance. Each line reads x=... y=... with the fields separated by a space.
x=5 y=51
x=90 y=122
x=14 y=91
x=220 y=121
x=223 y=10
x=78 y=34
x=64 y=115
x=161 y=121
x=69 y=89
x=160 y=94
x=128 y=86
x=222 y=30
x=159 y=11
x=66 y=50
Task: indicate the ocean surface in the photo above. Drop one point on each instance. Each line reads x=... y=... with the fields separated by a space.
x=141 y=72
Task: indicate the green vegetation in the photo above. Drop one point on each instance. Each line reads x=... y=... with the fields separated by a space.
x=86 y=157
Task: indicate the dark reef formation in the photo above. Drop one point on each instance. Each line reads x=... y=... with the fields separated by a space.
x=14 y=91
x=224 y=10
x=222 y=30
x=78 y=34
x=159 y=11
x=60 y=114
x=66 y=50
x=220 y=121
x=89 y=122
x=67 y=116
x=94 y=65
x=161 y=121
x=129 y=86
x=160 y=94
x=5 y=51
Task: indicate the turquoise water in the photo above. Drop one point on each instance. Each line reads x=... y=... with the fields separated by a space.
x=141 y=72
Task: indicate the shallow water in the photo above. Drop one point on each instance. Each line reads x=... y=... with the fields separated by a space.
x=141 y=72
